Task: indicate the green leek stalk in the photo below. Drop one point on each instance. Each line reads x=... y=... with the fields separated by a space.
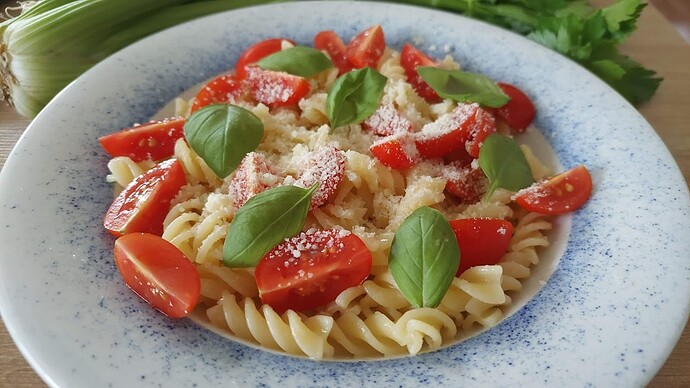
x=54 y=41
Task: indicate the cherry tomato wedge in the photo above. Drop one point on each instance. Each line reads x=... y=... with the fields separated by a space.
x=410 y=59
x=386 y=121
x=144 y=203
x=274 y=88
x=225 y=88
x=252 y=176
x=366 y=49
x=330 y=42
x=448 y=133
x=151 y=141
x=158 y=272
x=397 y=152
x=482 y=241
x=560 y=194
x=258 y=51
x=519 y=111
x=483 y=126
x=325 y=166
x=464 y=182
x=312 y=269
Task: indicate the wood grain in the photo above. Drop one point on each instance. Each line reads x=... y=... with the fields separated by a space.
x=655 y=44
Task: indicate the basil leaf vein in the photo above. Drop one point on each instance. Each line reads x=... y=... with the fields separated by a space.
x=299 y=60
x=424 y=257
x=263 y=222
x=354 y=97
x=504 y=163
x=462 y=86
x=222 y=135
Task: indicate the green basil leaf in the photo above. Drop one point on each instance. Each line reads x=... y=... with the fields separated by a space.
x=263 y=222
x=462 y=86
x=424 y=257
x=504 y=163
x=298 y=60
x=222 y=135
x=354 y=96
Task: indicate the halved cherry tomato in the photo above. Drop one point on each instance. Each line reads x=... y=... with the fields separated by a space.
x=158 y=272
x=464 y=182
x=483 y=126
x=482 y=241
x=397 y=152
x=410 y=59
x=386 y=121
x=330 y=42
x=560 y=194
x=258 y=51
x=519 y=111
x=151 y=141
x=448 y=133
x=275 y=88
x=252 y=177
x=220 y=90
x=366 y=49
x=144 y=203
x=325 y=166
x=312 y=269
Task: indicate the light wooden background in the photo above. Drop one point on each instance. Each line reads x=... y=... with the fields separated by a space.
x=656 y=44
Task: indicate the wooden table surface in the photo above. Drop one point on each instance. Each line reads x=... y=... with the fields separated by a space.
x=655 y=44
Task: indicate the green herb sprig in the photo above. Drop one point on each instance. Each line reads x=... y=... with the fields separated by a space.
x=354 y=97
x=298 y=60
x=462 y=86
x=504 y=163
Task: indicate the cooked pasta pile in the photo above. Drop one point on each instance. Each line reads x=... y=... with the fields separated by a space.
x=373 y=319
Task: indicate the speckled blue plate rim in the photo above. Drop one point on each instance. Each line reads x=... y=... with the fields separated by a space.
x=609 y=315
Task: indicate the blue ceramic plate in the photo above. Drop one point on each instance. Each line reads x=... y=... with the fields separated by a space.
x=609 y=315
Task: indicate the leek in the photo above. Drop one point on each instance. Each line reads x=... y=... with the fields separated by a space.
x=54 y=41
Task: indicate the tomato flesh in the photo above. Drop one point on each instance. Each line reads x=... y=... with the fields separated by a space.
x=151 y=141
x=312 y=269
x=366 y=49
x=397 y=152
x=144 y=203
x=482 y=241
x=158 y=272
x=448 y=133
x=330 y=42
x=484 y=125
x=223 y=89
x=563 y=193
x=325 y=166
x=519 y=111
x=410 y=59
x=257 y=52
x=276 y=89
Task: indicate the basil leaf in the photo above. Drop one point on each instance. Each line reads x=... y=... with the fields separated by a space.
x=424 y=257
x=354 y=97
x=463 y=86
x=263 y=222
x=504 y=163
x=298 y=60
x=222 y=135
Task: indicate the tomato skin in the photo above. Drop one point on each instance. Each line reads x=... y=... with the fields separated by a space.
x=312 y=276
x=519 y=111
x=151 y=141
x=482 y=241
x=448 y=132
x=394 y=153
x=158 y=272
x=276 y=89
x=483 y=126
x=330 y=42
x=222 y=89
x=256 y=52
x=366 y=49
x=563 y=193
x=410 y=59
x=144 y=203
